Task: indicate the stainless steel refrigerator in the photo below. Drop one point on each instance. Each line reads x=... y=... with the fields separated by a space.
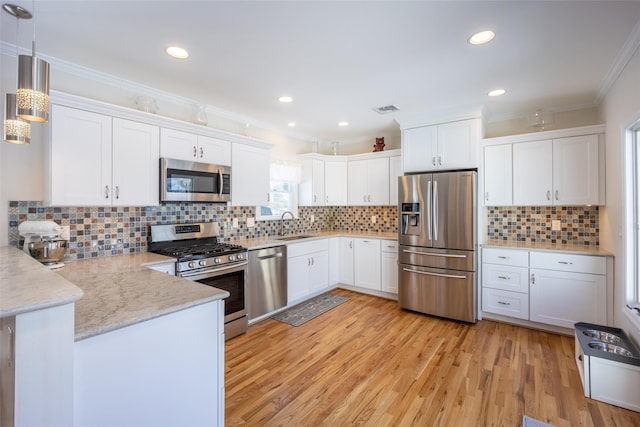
x=437 y=244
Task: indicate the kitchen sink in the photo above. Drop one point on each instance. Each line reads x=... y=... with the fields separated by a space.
x=303 y=236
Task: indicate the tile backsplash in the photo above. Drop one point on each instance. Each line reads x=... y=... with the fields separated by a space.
x=532 y=224
x=105 y=231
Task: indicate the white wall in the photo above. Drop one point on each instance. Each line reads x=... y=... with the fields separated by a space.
x=619 y=109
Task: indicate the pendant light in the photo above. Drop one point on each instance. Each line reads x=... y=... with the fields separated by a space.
x=32 y=95
x=16 y=130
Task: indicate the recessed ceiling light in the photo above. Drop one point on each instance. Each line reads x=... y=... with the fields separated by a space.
x=177 y=52
x=482 y=37
x=285 y=99
x=291 y=124
x=497 y=92
x=343 y=124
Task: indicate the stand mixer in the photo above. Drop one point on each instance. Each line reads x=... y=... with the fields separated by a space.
x=42 y=241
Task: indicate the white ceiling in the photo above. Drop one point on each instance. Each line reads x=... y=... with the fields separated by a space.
x=340 y=59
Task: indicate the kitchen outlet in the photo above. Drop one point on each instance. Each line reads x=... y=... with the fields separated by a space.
x=555 y=225
x=374 y=219
x=235 y=222
x=313 y=218
x=251 y=222
x=65 y=232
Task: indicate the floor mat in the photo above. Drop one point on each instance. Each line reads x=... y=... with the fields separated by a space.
x=307 y=310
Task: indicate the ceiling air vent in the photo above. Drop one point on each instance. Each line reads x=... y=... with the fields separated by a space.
x=386 y=109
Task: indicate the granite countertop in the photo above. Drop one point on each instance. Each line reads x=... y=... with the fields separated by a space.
x=121 y=290
x=271 y=241
x=26 y=285
x=555 y=247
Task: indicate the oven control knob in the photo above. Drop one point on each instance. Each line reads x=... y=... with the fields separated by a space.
x=232 y=258
x=191 y=264
x=240 y=256
x=202 y=263
x=216 y=260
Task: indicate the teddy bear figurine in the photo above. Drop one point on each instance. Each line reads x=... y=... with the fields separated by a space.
x=379 y=145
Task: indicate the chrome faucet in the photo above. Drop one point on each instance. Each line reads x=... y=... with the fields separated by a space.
x=282 y=221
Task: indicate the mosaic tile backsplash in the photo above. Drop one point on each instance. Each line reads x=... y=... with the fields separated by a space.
x=532 y=224
x=105 y=231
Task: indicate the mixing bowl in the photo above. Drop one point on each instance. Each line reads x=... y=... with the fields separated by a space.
x=48 y=252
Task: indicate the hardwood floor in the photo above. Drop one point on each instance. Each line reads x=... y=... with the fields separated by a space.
x=366 y=362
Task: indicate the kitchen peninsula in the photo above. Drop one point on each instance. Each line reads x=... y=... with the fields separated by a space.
x=131 y=323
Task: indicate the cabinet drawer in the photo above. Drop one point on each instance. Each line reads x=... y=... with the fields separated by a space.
x=389 y=246
x=297 y=249
x=507 y=303
x=505 y=277
x=513 y=257
x=569 y=262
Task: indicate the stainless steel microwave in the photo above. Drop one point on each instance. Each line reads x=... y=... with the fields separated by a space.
x=186 y=181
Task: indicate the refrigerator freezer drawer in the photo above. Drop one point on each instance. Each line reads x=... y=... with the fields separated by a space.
x=437 y=258
x=444 y=293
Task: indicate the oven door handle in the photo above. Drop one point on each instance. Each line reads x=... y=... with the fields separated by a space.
x=426 y=273
x=214 y=272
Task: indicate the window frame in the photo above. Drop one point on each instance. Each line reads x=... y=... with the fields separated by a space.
x=632 y=223
x=294 y=199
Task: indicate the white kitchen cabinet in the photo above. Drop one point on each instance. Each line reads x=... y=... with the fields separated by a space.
x=389 y=266
x=498 y=175
x=335 y=183
x=367 y=270
x=505 y=282
x=334 y=261
x=395 y=171
x=311 y=190
x=368 y=182
x=532 y=173
x=565 y=289
x=165 y=267
x=115 y=161
x=180 y=145
x=444 y=146
x=346 y=250
x=307 y=269
x=250 y=175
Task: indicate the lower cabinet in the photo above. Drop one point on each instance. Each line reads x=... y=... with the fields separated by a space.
x=389 y=264
x=367 y=272
x=307 y=269
x=346 y=251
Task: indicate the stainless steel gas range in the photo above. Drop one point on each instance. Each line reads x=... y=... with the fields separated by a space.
x=200 y=257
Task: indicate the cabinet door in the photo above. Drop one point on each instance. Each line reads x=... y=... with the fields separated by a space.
x=346 y=260
x=318 y=271
x=378 y=181
x=335 y=183
x=212 y=150
x=389 y=263
x=318 y=183
x=395 y=170
x=357 y=182
x=249 y=175
x=136 y=150
x=458 y=145
x=498 y=175
x=419 y=146
x=575 y=170
x=532 y=173
x=562 y=299
x=297 y=278
x=367 y=263
x=176 y=144
x=80 y=157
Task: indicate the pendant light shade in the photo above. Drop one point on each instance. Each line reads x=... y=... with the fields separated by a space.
x=33 y=88
x=16 y=130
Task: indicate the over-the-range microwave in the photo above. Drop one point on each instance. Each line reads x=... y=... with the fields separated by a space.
x=186 y=181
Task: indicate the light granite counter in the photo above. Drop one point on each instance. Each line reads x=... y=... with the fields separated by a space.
x=26 y=285
x=268 y=242
x=120 y=291
x=555 y=247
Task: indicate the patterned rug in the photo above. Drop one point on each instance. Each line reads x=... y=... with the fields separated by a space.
x=310 y=309
x=531 y=422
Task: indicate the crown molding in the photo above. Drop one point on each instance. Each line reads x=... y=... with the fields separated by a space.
x=622 y=59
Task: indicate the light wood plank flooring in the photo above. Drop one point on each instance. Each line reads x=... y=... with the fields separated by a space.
x=369 y=363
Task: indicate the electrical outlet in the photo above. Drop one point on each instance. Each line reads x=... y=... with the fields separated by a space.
x=65 y=232
x=235 y=222
x=313 y=218
x=251 y=222
x=374 y=219
x=555 y=225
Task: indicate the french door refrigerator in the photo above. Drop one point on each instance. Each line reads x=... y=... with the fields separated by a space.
x=437 y=244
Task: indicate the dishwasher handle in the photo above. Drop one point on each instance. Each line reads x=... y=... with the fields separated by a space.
x=276 y=255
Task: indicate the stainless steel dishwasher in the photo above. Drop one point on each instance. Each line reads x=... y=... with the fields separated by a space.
x=267 y=277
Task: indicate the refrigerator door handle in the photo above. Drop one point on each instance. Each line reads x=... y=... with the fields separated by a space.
x=429 y=211
x=435 y=210
x=434 y=254
x=426 y=273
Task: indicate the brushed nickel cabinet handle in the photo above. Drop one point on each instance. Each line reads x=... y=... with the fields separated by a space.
x=548 y=195
x=504 y=303
x=201 y=152
x=106 y=191
x=557 y=195
x=117 y=191
x=504 y=277
x=433 y=160
x=195 y=151
x=533 y=279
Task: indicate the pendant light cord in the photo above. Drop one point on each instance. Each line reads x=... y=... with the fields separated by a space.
x=33 y=42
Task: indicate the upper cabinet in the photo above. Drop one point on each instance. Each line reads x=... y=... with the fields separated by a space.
x=395 y=171
x=441 y=147
x=180 y=145
x=558 y=170
x=335 y=183
x=368 y=182
x=115 y=161
x=311 y=191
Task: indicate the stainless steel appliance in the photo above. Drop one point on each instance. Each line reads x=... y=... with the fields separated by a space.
x=43 y=242
x=267 y=276
x=437 y=244
x=201 y=258
x=185 y=181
